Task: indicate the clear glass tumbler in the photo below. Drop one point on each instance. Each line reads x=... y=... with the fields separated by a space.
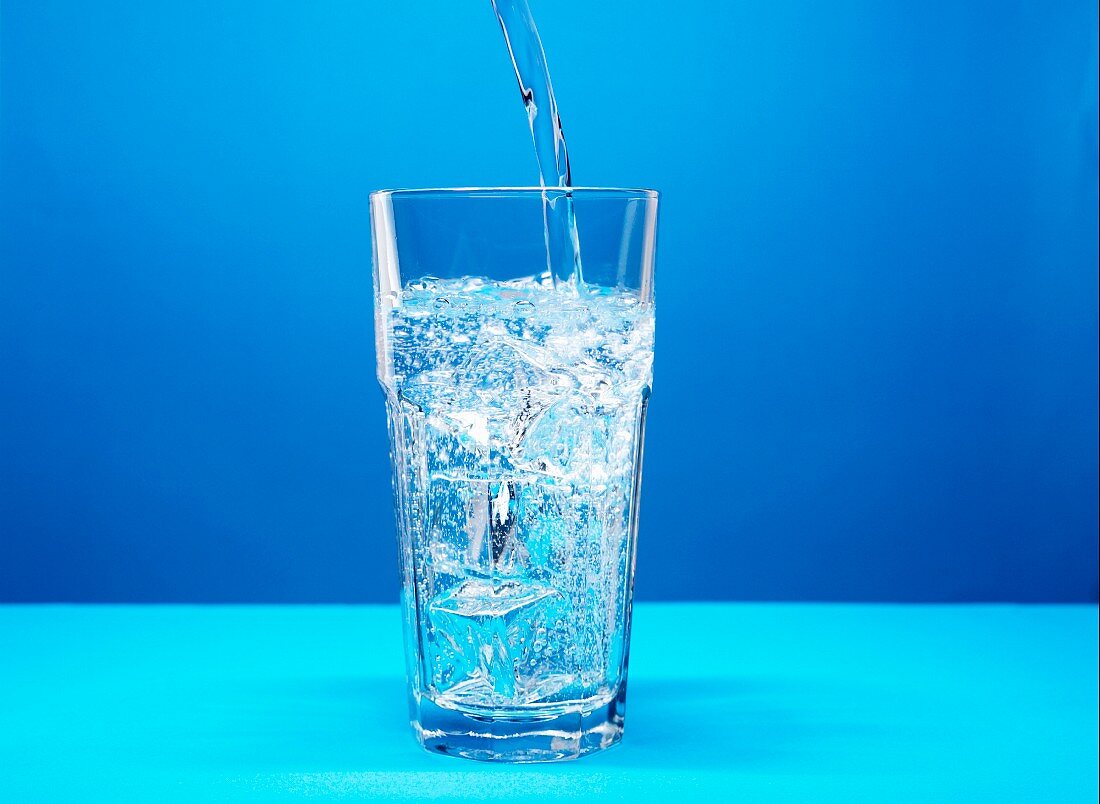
x=516 y=398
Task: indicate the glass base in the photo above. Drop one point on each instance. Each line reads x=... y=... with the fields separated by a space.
x=519 y=736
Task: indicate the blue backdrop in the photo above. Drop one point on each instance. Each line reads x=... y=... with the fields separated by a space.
x=877 y=284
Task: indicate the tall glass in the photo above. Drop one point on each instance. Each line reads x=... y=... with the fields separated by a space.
x=516 y=396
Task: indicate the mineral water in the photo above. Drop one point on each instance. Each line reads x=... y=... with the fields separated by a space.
x=516 y=413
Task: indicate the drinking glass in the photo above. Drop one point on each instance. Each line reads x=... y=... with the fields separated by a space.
x=516 y=394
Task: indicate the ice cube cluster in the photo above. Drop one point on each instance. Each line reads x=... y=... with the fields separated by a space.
x=516 y=415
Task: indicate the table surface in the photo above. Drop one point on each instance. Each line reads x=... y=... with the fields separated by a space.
x=752 y=702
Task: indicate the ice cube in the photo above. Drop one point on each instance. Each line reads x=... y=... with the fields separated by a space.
x=566 y=441
x=490 y=528
x=532 y=403
x=494 y=364
x=454 y=447
x=470 y=425
x=486 y=640
x=483 y=600
x=472 y=529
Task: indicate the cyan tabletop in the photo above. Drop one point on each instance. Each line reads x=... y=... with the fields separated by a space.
x=727 y=702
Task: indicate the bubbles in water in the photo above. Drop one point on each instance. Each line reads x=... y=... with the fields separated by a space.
x=514 y=412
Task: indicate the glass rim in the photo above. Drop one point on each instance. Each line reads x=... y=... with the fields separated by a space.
x=505 y=192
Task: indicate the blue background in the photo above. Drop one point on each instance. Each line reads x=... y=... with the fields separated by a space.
x=877 y=348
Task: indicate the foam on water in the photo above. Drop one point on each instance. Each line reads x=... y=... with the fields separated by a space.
x=515 y=412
